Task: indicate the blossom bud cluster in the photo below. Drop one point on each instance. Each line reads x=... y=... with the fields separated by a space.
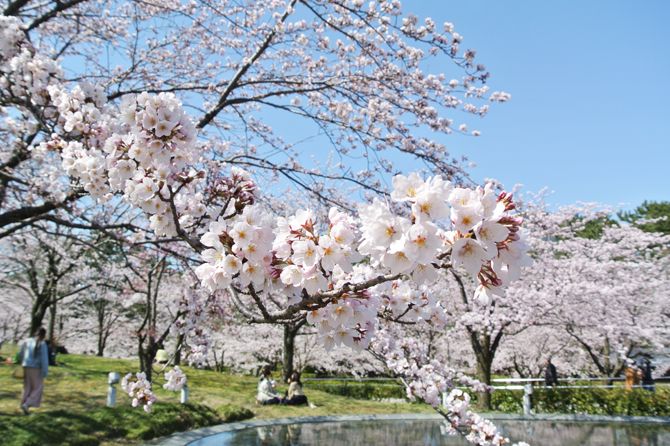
x=175 y=379
x=139 y=389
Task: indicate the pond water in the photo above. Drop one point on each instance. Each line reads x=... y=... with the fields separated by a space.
x=428 y=433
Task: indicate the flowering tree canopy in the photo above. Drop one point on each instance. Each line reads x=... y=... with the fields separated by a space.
x=354 y=72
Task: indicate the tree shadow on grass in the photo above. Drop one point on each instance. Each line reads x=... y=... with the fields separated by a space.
x=65 y=427
x=52 y=428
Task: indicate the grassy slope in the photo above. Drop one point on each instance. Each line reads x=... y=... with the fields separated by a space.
x=75 y=393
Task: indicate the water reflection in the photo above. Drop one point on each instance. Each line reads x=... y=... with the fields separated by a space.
x=427 y=433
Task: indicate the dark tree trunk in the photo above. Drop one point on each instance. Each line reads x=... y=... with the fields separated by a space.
x=484 y=375
x=37 y=313
x=177 y=351
x=101 y=337
x=101 y=309
x=101 y=344
x=290 y=333
x=53 y=310
x=485 y=349
x=147 y=355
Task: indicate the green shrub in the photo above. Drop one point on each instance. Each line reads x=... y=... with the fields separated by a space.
x=638 y=402
x=361 y=390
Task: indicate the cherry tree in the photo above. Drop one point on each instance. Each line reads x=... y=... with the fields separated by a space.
x=524 y=354
x=620 y=280
x=602 y=290
x=48 y=269
x=14 y=318
x=100 y=311
x=154 y=288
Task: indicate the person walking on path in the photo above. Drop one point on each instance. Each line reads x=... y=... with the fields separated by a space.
x=550 y=376
x=34 y=358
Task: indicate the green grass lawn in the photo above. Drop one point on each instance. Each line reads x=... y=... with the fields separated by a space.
x=73 y=409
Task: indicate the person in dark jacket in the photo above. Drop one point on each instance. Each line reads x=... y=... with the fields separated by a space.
x=550 y=376
x=647 y=377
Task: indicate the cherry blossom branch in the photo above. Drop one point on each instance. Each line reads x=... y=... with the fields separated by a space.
x=210 y=115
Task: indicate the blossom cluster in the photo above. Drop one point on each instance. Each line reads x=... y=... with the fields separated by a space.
x=461 y=420
x=145 y=150
x=25 y=74
x=139 y=389
x=348 y=321
x=298 y=257
x=311 y=257
x=82 y=118
x=405 y=300
x=426 y=378
x=238 y=247
x=430 y=381
x=485 y=240
x=175 y=379
x=149 y=157
x=483 y=237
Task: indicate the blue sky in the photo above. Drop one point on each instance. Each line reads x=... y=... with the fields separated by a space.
x=590 y=85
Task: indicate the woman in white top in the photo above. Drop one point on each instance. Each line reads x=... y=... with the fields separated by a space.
x=267 y=394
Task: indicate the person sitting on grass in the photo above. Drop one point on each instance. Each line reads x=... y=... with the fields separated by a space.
x=267 y=393
x=296 y=396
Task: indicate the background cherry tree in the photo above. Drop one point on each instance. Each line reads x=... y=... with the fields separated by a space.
x=603 y=282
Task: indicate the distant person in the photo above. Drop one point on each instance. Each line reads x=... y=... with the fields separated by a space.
x=162 y=356
x=51 y=350
x=267 y=393
x=550 y=375
x=647 y=377
x=633 y=375
x=34 y=357
x=295 y=396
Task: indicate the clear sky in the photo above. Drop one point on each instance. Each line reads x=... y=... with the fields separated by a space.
x=590 y=85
